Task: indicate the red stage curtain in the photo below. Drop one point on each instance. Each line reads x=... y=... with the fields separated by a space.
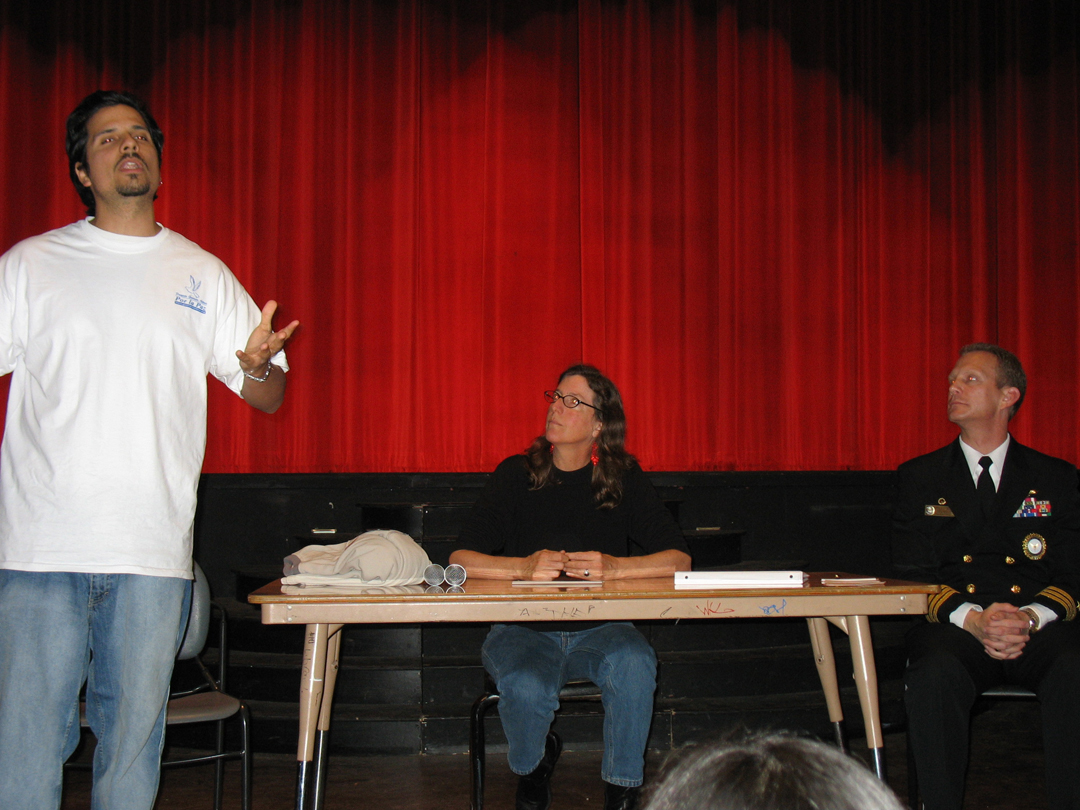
x=771 y=223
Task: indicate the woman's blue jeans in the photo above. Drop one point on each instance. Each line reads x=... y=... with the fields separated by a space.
x=530 y=667
x=117 y=632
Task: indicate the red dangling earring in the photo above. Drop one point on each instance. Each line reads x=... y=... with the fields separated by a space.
x=594 y=458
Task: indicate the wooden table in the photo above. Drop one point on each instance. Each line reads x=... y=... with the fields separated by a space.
x=324 y=611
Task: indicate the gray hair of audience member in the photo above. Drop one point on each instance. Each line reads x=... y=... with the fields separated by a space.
x=769 y=772
x=1010 y=373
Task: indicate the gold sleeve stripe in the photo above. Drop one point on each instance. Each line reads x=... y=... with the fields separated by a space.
x=1064 y=599
x=937 y=600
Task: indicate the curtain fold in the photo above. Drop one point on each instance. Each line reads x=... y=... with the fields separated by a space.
x=772 y=224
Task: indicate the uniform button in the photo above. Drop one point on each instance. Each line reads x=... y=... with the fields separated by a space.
x=967 y=558
x=1015 y=589
x=1009 y=560
x=971 y=589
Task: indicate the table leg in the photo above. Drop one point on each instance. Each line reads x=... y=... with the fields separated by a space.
x=862 y=658
x=826 y=667
x=322 y=738
x=312 y=677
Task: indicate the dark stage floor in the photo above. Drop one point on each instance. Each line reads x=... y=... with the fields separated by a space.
x=442 y=782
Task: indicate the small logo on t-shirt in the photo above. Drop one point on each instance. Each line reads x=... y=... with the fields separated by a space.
x=190 y=297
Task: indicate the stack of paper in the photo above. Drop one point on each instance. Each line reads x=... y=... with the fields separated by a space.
x=739 y=579
x=851 y=582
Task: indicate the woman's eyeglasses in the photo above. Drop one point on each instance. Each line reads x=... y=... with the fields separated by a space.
x=569 y=400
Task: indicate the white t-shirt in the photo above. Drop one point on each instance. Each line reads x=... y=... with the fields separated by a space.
x=108 y=340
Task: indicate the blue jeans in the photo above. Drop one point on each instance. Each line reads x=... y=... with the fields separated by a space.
x=530 y=667
x=117 y=632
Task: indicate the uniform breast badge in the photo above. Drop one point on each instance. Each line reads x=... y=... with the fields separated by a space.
x=939 y=509
x=1034 y=546
x=1033 y=508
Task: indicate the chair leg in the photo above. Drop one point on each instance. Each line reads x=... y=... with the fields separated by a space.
x=477 y=743
x=245 y=757
x=219 y=766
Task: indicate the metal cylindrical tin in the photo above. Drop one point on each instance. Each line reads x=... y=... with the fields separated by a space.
x=455 y=574
x=434 y=574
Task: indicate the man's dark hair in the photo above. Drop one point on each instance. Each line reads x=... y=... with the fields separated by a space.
x=77 y=136
x=1010 y=374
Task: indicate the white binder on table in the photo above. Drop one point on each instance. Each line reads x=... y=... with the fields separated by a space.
x=739 y=579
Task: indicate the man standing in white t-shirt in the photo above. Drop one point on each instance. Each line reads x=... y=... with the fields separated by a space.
x=108 y=327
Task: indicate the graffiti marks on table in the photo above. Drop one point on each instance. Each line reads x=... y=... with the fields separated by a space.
x=554 y=612
x=774 y=609
x=712 y=608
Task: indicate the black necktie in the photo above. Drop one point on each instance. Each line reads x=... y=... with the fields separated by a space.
x=985 y=487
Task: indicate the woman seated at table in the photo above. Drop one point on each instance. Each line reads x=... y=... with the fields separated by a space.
x=577 y=506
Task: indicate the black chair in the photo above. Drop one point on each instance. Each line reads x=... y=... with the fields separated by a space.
x=1004 y=692
x=206 y=701
x=573 y=691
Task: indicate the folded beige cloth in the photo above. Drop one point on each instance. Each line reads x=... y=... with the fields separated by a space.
x=351 y=587
x=378 y=557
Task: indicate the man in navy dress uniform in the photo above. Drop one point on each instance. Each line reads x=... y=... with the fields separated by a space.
x=997 y=525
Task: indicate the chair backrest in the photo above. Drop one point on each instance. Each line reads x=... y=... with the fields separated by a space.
x=199 y=619
x=1008 y=690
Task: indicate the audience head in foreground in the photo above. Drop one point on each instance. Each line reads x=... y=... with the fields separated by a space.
x=770 y=772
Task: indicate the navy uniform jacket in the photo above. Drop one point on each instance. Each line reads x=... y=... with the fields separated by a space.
x=939 y=534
